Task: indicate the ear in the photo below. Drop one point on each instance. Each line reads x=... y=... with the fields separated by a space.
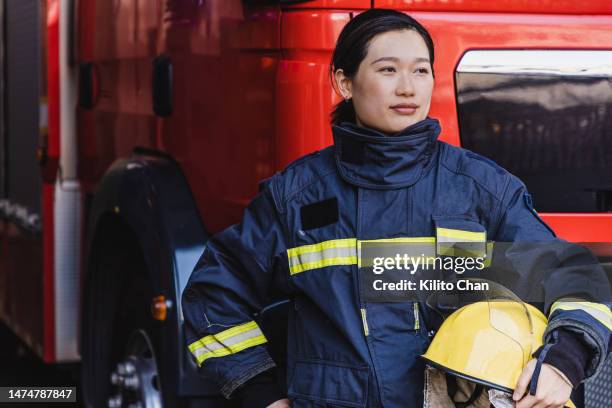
x=343 y=84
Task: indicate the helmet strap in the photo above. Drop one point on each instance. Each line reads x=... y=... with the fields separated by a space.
x=533 y=384
x=451 y=388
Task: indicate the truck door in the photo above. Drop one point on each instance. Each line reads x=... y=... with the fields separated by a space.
x=22 y=138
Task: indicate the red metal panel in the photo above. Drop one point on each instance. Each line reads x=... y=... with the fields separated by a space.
x=503 y=6
x=23 y=286
x=586 y=227
x=48 y=186
x=304 y=92
x=222 y=129
x=86 y=27
x=111 y=32
x=48 y=274
x=335 y=4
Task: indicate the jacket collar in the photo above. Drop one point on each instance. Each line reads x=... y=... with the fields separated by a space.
x=369 y=158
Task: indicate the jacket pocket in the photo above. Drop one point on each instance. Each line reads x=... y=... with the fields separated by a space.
x=460 y=237
x=329 y=384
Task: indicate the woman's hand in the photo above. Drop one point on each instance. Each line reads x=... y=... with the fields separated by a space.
x=553 y=389
x=284 y=403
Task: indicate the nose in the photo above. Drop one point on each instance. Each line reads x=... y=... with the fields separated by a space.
x=405 y=86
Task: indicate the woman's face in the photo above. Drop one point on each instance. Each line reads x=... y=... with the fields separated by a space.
x=392 y=87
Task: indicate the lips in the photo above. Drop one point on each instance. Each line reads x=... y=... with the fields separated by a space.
x=405 y=108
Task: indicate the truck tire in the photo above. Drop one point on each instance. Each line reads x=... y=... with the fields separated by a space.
x=120 y=337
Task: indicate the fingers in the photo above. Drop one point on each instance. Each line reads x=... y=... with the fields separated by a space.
x=523 y=382
x=552 y=390
x=283 y=403
x=535 y=401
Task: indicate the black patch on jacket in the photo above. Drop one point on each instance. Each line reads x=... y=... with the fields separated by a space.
x=319 y=214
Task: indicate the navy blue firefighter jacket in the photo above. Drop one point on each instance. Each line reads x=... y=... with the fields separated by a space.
x=298 y=239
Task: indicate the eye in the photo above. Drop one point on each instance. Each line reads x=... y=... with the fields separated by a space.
x=387 y=69
x=424 y=71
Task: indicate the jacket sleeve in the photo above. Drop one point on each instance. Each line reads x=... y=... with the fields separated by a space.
x=237 y=275
x=567 y=277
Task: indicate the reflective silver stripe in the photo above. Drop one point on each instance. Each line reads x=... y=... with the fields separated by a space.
x=456 y=242
x=323 y=254
x=327 y=253
x=598 y=311
x=587 y=63
x=227 y=343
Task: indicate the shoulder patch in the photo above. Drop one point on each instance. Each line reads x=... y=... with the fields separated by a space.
x=319 y=214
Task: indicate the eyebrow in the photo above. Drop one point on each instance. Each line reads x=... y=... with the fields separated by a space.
x=395 y=59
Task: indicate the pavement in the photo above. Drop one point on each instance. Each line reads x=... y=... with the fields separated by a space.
x=19 y=366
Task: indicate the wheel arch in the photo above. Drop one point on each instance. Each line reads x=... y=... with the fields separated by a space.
x=146 y=199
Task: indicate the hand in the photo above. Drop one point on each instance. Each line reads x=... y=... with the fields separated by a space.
x=284 y=403
x=553 y=390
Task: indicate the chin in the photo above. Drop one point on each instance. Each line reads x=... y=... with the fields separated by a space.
x=398 y=127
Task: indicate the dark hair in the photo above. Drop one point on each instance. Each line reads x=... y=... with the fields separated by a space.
x=352 y=48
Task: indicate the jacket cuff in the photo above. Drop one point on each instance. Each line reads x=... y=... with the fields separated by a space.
x=569 y=355
x=588 y=337
x=260 y=391
x=230 y=385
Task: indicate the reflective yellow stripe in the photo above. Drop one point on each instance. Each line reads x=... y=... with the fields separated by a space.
x=461 y=234
x=598 y=311
x=232 y=349
x=460 y=243
x=489 y=254
x=424 y=240
x=224 y=335
x=347 y=260
x=366 y=331
x=334 y=243
x=227 y=342
x=322 y=254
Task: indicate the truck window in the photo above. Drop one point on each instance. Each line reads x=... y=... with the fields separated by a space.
x=545 y=116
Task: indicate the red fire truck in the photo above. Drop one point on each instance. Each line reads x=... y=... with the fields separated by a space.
x=131 y=130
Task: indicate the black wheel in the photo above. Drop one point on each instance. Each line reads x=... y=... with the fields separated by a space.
x=118 y=327
x=136 y=379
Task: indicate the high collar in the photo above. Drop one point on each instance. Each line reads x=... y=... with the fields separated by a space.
x=372 y=159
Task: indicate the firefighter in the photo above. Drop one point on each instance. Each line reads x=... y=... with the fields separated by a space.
x=386 y=176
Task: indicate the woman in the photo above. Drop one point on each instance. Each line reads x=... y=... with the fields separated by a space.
x=386 y=176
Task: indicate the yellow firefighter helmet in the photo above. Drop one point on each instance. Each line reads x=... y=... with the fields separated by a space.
x=488 y=342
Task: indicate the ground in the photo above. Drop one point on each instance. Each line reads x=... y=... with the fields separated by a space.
x=19 y=366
